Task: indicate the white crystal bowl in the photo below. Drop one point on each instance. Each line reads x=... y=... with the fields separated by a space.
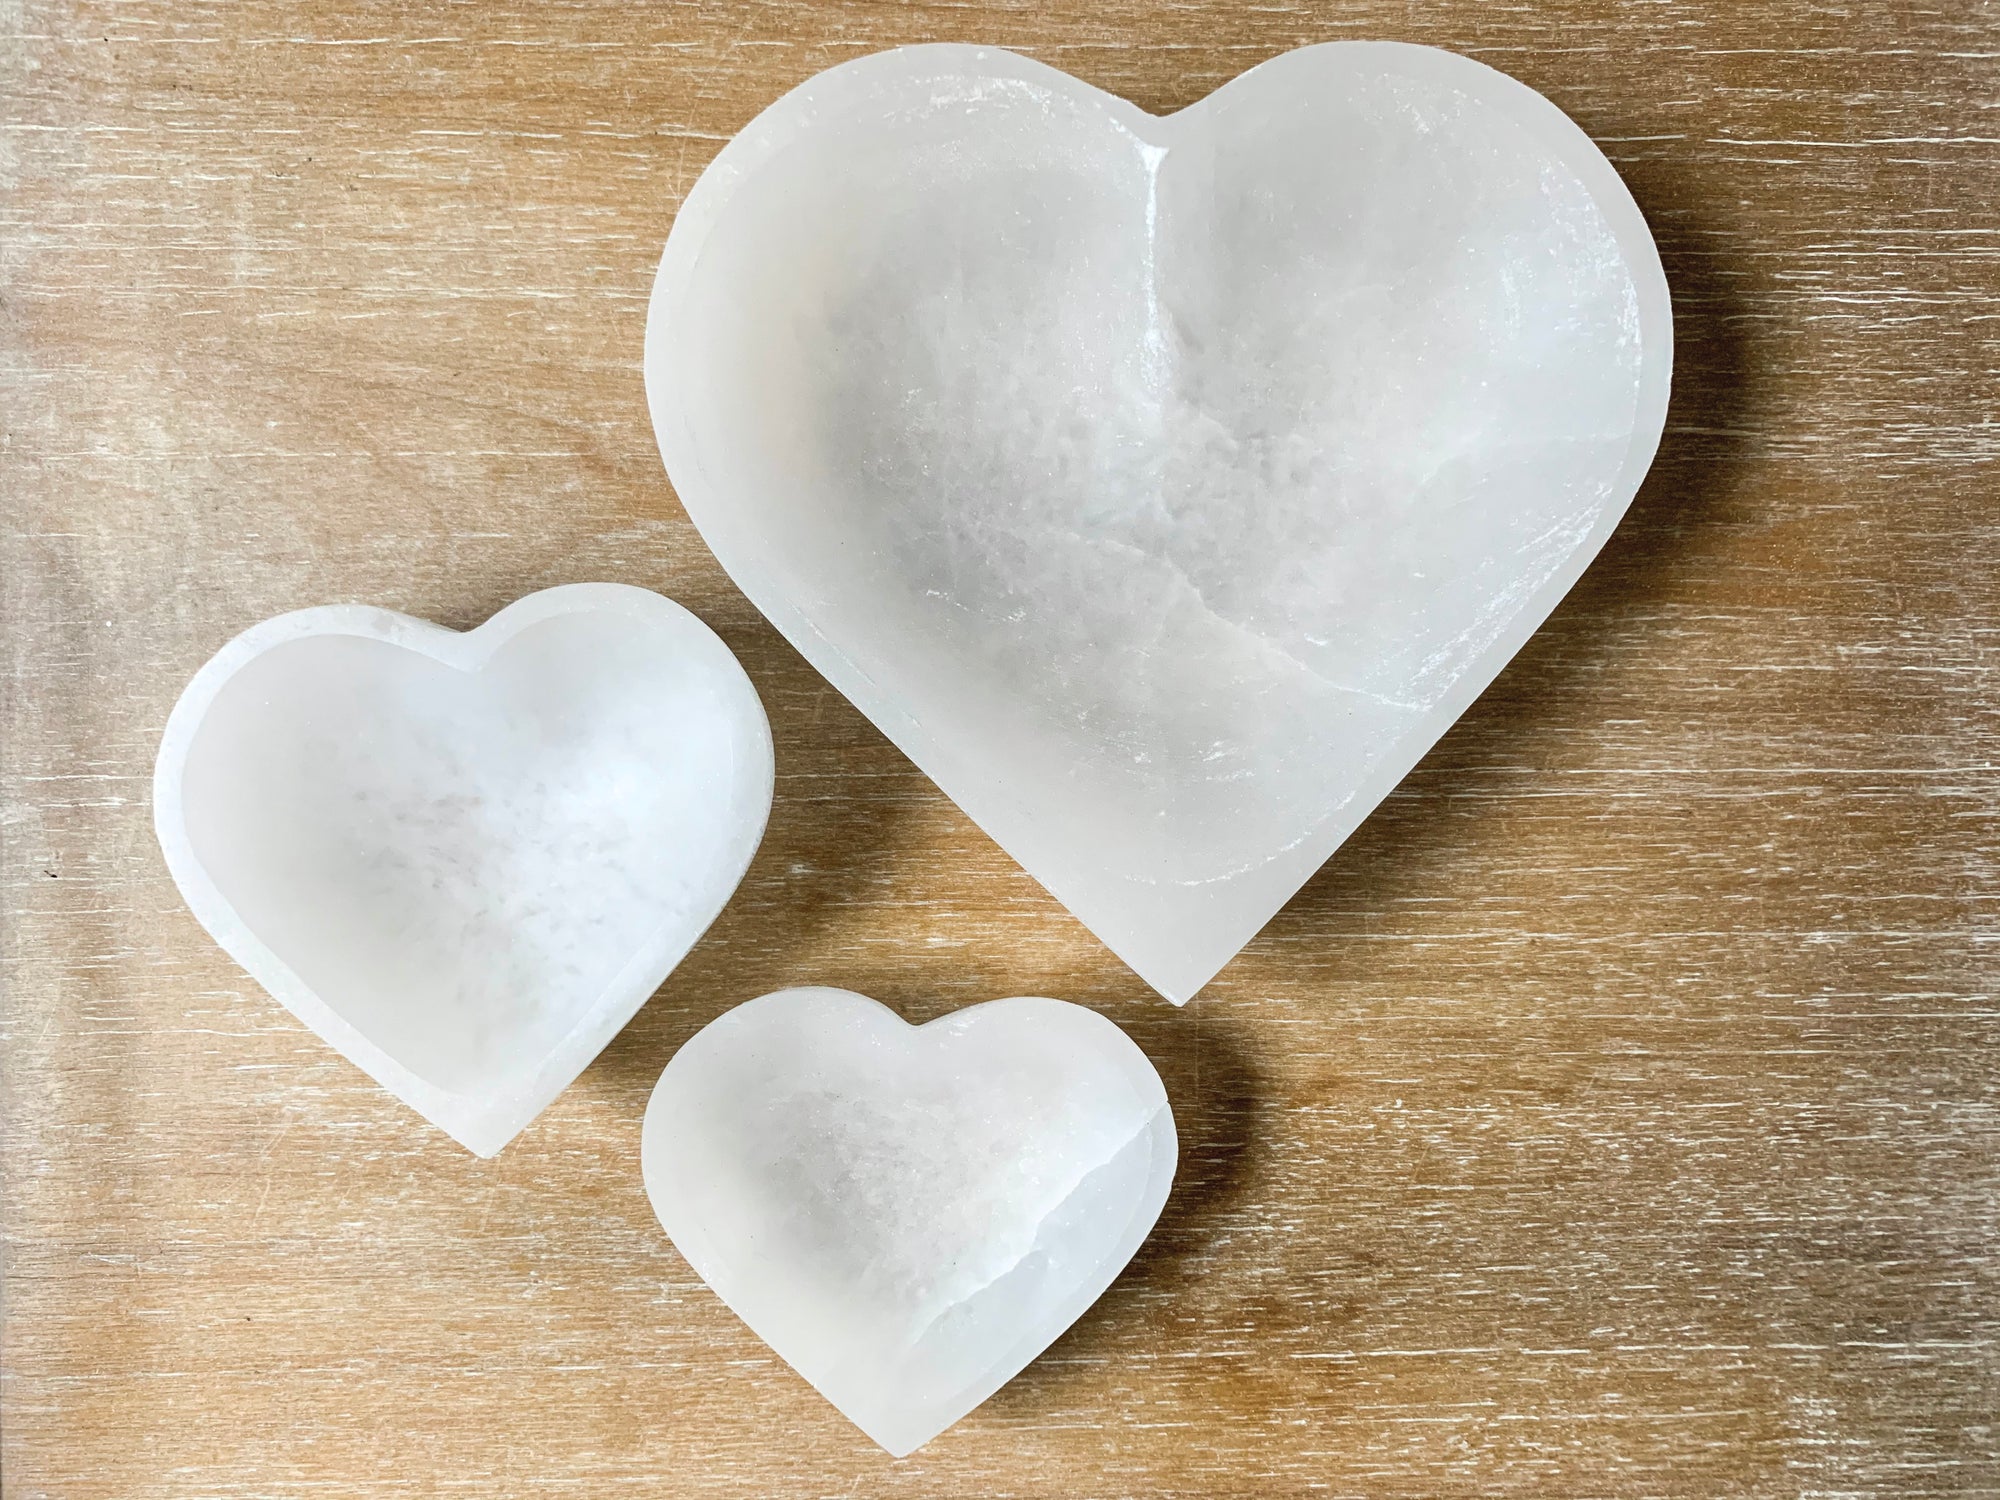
x=908 y=1214
x=1163 y=487
x=465 y=860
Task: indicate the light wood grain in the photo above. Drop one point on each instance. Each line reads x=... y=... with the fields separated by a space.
x=1616 y=1114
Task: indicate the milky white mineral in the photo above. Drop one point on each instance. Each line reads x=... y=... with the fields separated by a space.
x=466 y=859
x=908 y=1215
x=1164 y=487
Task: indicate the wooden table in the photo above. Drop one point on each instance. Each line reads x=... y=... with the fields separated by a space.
x=1615 y=1114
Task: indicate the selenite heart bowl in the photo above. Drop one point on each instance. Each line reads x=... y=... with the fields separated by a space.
x=1163 y=487
x=465 y=860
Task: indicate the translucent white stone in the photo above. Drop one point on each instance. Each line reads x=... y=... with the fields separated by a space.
x=466 y=859
x=908 y=1215
x=1163 y=487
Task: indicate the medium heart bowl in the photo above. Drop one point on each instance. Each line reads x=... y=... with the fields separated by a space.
x=1163 y=487
x=465 y=860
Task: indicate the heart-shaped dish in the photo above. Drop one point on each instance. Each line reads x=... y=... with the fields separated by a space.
x=1163 y=487
x=465 y=860
x=908 y=1215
